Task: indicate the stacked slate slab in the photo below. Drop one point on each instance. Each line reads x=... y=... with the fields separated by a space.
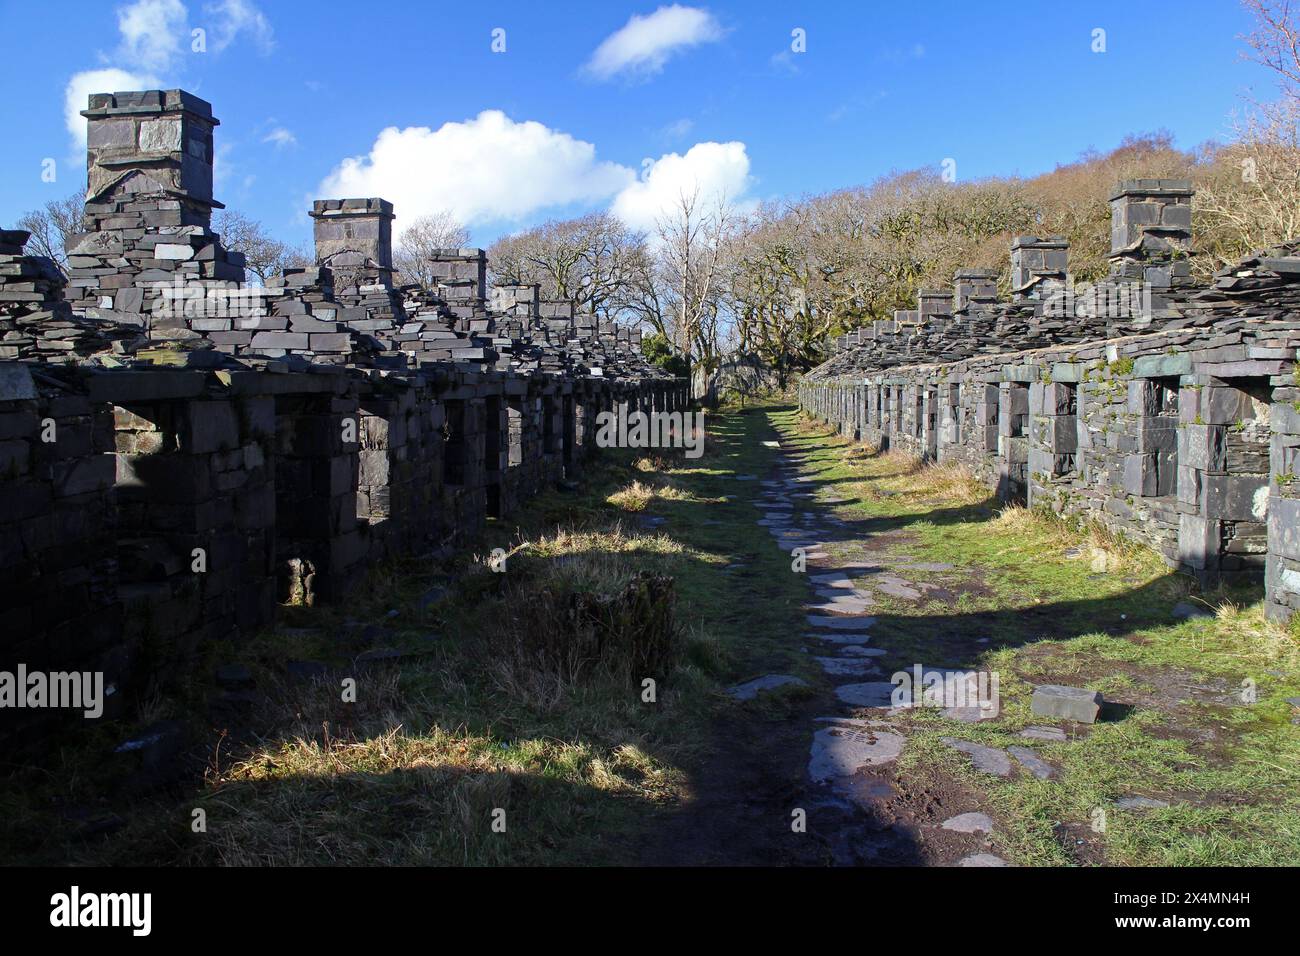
x=35 y=320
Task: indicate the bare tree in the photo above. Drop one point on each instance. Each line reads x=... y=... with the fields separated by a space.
x=52 y=225
x=1275 y=42
x=594 y=260
x=692 y=240
x=417 y=242
x=263 y=255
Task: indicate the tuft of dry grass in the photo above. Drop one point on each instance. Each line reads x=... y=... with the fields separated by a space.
x=585 y=620
x=903 y=478
x=1105 y=550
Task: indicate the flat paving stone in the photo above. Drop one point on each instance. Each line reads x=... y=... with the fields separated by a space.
x=855 y=721
x=928 y=566
x=832 y=579
x=856 y=650
x=848 y=591
x=868 y=694
x=1044 y=733
x=968 y=715
x=846 y=641
x=969 y=823
x=983 y=758
x=844 y=605
x=1140 y=803
x=841 y=623
x=847 y=667
x=896 y=589
x=1032 y=762
x=982 y=859
x=752 y=688
x=839 y=752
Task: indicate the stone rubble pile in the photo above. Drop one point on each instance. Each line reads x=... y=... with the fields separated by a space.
x=36 y=322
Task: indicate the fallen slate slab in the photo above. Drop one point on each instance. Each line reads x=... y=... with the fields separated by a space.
x=969 y=823
x=1044 y=733
x=752 y=688
x=982 y=859
x=1032 y=762
x=868 y=694
x=1140 y=803
x=840 y=752
x=983 y=758
x=1069 y=703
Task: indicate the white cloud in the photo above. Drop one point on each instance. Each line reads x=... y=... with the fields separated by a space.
x=281 y=138
x=110 y=80
x=708 y=171
x=485 y=169
x=151 y=32
x=239 y=16
x=644 y=44
x=154 y=33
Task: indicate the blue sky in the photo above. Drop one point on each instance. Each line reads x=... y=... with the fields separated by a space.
x=617 y=105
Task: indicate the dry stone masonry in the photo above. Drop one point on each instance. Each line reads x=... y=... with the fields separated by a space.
x=1167 y=412
x=181 y=452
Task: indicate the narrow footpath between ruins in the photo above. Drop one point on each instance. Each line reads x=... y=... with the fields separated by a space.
x=836 y=765
x=868 y=814
x=912 y=566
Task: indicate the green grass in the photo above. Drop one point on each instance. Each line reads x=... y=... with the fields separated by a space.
x=587 y=772
x=412 y=772
x=1062 y=603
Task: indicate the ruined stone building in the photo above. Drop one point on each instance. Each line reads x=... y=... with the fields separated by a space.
x=159 y=415
x=1167 y=412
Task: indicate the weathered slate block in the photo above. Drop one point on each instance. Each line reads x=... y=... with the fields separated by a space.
x=1068 y=703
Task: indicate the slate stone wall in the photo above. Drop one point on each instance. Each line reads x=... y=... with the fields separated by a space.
x=168 y=478
x=1174 y=423
x=1185 y=440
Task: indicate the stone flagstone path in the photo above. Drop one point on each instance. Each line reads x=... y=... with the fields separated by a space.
x=851 y=772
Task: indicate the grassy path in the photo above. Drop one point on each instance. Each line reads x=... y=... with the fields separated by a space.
x=1195 y=759
x=487 y=727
